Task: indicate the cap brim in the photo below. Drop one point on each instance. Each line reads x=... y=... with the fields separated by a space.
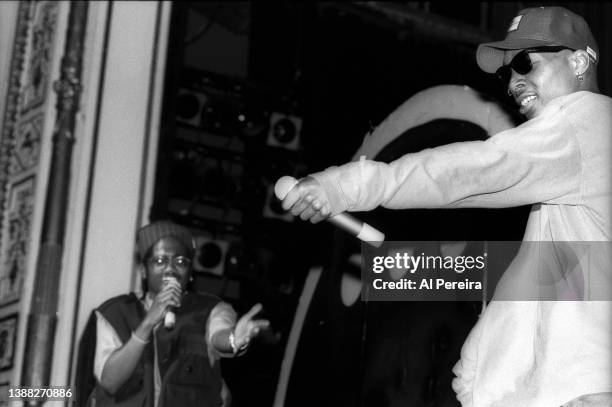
x=490 y=55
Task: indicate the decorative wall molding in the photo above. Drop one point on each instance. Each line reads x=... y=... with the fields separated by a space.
x=21 y=138
x=26 y=145
x=12 y=98
x=20 y=210
x=8 y=330
x=37 y=74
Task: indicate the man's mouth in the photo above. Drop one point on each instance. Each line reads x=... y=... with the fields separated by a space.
x=526 y=100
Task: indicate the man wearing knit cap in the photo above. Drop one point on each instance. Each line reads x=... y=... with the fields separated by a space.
x=555 y=349
x=145 y=358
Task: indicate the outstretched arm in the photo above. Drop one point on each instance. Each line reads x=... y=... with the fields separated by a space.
x=227 y=337
x=539 y=163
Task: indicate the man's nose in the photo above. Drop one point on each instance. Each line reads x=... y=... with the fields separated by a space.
x=170 y=270
x=516 y=82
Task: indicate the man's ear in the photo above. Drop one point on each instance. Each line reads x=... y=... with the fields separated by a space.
x=579 y=61
x=142 y=273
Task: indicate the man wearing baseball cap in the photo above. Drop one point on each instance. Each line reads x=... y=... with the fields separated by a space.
x=545 y=339
x=142 y=357
x=550 y=353
x=543 y=33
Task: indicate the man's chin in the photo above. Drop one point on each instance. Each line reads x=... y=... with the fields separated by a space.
x=529 y=112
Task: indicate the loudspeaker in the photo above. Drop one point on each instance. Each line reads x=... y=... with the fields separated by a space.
x=285 y=131
x=197 y=174
x=213 y=110
x=189 y=106
x=210 y=255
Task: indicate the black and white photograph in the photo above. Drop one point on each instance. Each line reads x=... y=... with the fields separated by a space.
x=296 y=204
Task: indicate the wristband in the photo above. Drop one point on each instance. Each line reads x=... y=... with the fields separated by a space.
x=139 y=339
x=232 y=342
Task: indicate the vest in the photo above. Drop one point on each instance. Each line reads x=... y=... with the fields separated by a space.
x=187 y=376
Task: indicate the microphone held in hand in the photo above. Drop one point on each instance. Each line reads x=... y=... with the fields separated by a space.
x=352 y=225
x=170 y=316
x=169 y=319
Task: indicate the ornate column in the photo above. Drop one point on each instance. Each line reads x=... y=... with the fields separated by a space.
x=42 y=319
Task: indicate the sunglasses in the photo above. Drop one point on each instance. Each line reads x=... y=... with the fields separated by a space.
x=521 y=63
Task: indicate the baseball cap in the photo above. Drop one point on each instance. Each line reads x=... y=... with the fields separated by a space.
x=150 y=234
x=537 y=27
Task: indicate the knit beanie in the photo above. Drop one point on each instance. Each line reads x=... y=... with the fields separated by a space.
x=150 y=234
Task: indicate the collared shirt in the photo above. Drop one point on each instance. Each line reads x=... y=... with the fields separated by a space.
x=221 y=317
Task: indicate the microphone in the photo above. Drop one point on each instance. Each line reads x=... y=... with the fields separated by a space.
x=352 y=225
x=170 y=317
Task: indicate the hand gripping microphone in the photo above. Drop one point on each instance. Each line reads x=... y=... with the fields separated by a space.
x=170 y=317
x=354 y=226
